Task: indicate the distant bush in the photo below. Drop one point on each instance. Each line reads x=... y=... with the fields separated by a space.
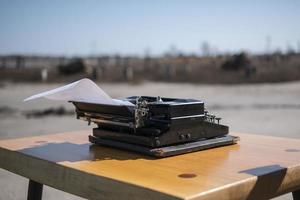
x=236 y=62
x=73 y=67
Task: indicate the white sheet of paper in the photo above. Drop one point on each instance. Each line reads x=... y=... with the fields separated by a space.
x=83 y=90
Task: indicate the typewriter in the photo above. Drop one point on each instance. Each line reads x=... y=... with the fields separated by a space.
x=155 y=126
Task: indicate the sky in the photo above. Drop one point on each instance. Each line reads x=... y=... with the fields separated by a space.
x=137 y=27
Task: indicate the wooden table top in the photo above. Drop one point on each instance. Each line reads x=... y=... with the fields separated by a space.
x=258 y=167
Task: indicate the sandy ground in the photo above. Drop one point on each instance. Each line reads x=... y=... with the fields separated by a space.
x=269 y=109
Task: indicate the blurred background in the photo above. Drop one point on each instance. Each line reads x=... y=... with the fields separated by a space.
x=242 y=58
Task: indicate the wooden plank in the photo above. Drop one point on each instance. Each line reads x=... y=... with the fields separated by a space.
x=259 y=167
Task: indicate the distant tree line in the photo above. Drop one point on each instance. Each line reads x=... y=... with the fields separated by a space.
x=234 y=68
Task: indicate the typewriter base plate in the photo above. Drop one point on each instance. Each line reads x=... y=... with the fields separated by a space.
x=168 y=150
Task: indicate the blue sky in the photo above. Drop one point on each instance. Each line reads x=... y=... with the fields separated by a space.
x=80 y=27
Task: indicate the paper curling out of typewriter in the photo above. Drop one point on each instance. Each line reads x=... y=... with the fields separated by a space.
x=155 y=126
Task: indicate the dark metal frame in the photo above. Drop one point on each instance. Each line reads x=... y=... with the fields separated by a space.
x=35 y=190
x=296 y=195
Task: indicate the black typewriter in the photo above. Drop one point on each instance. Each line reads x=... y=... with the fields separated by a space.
x=155 y=126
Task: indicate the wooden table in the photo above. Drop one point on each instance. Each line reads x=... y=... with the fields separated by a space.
x=259 y=167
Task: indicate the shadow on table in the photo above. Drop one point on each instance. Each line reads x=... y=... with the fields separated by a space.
x=72 y=152
x=269 y=179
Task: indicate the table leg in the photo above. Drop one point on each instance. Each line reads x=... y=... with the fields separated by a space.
x=35 y=190
x=296 y=195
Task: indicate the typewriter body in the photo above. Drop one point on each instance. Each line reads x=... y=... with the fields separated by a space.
x=155 y=126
